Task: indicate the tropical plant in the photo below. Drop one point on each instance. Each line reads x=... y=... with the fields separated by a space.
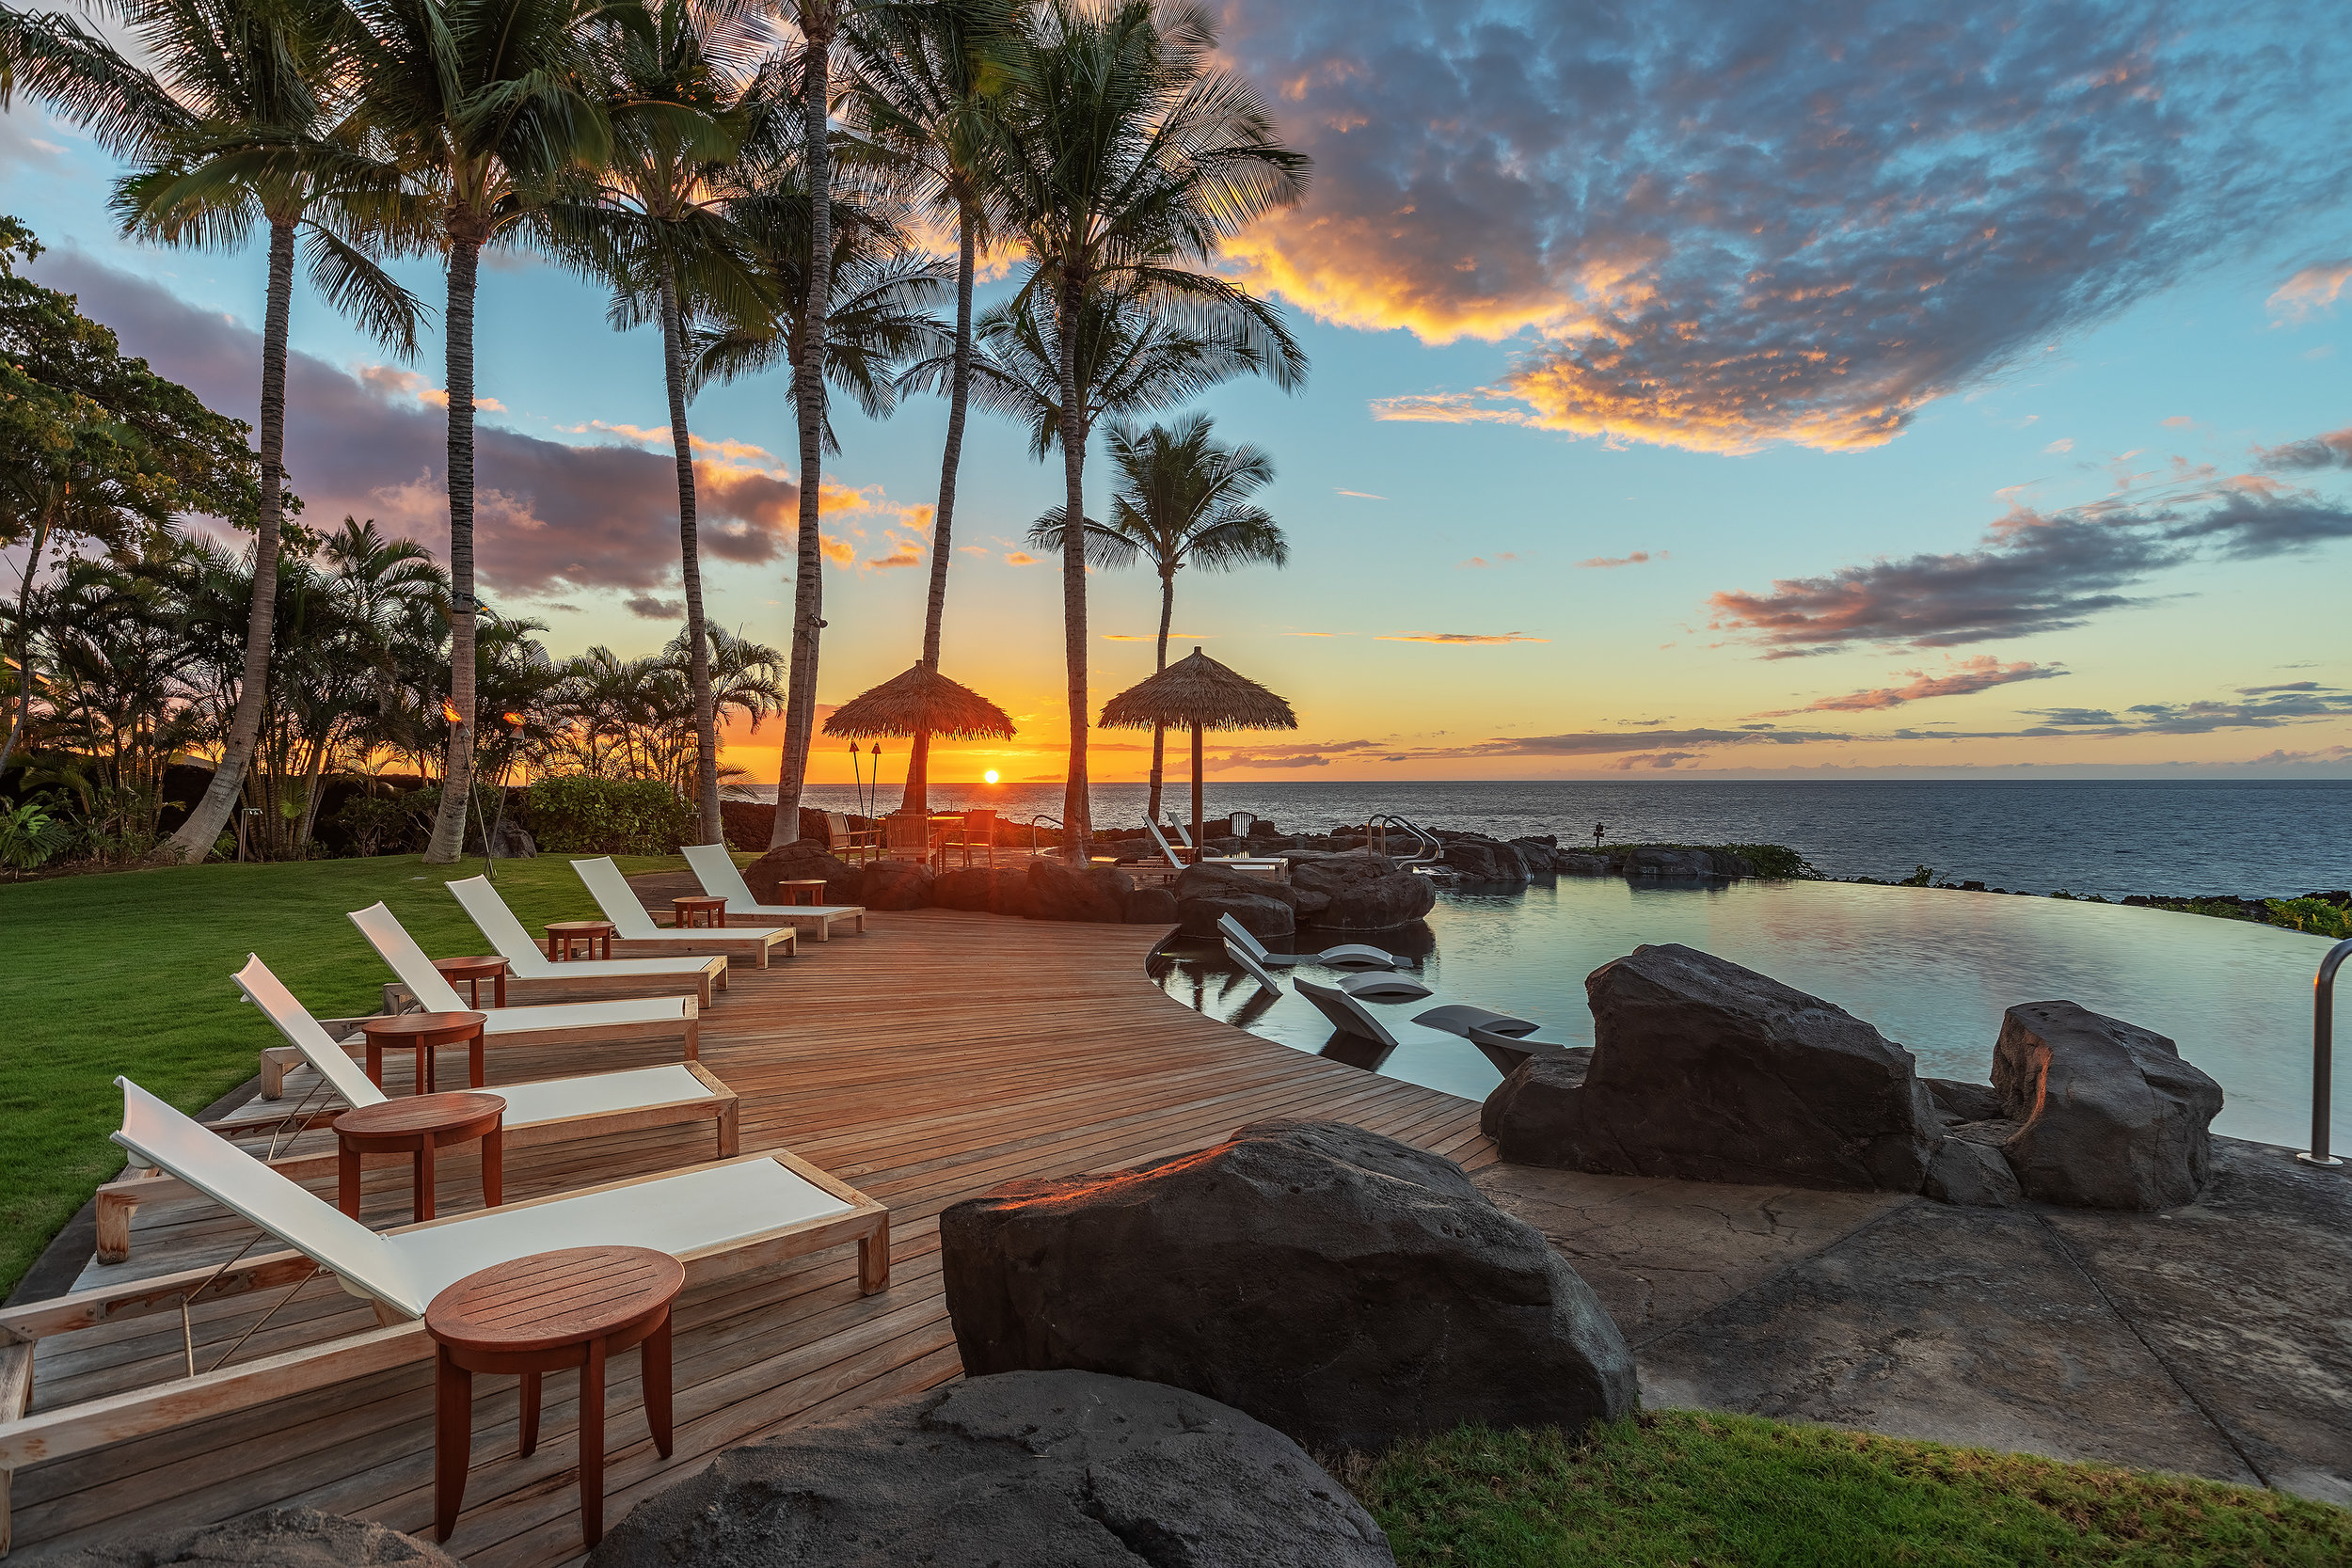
x=485 y=105
x=1182 y=501
x=684 y=92
x=923 y=106
x=1129 y=156
x=31 y=834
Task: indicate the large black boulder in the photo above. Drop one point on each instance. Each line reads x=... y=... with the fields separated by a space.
x=1706 y=1070
x=800 y=861
x=1484 y=859
x=1060 y=891
x=1152 y=906
x=1361 y=892
x=2113 y=1117
x=270 y=1538
x=1344 y=1287
x=1265 y=907
x=988 y=890
x=1053 y=1470
x=896 y=885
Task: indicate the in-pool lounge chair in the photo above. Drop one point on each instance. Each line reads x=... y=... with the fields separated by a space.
x=1249 y=965
x=1460 y=1017
x=1385 y=986
x=635 y=935
x=525 y=960
x=719 y=1219
x=1347 y=1015
x=716 y=870
x=1347 y=955
x=623 y=1018
x=552 y=1110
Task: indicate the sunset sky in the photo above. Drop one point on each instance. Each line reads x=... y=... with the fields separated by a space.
x=1709 y=389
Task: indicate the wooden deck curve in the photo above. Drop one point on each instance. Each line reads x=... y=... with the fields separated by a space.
x=937 y=1055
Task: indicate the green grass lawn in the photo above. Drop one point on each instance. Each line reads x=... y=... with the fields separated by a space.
x=130 y=973
x=1711 y=1491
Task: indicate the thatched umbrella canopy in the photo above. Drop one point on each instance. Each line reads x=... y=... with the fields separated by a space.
x=921 y=701
x=1200 y=694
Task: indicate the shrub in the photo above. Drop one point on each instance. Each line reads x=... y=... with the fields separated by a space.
x=1776 y=860
x=577 y=813
x=396 y=823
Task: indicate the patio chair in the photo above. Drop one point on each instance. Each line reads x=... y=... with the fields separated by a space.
x=854 y=845
x=721 y=1219
x=568 y=1023
x=548 y=1111
x=525 y=961
x=635 y=935
x=907 y=836
x=1347 y=955
x=977 y=830
x=716 y=870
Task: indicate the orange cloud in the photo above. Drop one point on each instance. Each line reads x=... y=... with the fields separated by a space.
x=1639 y=558
x=1458 y=639
x=2310 y=291
x=1967 y=675
x=1479 y=562
x=1020 y=558
x=903 y=552
x=393 y=380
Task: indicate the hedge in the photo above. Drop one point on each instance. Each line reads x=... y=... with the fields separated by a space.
x=575 y=813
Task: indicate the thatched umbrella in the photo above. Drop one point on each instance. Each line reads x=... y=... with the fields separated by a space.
x=920 y=702
x=1201 y=694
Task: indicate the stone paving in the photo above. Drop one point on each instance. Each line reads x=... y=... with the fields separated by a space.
x=2213 y=1340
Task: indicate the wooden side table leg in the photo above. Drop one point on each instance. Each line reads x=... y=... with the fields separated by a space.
x=453 y=1441
x=551 y=941
x=498 y=991
x=492 y=1168
x=654 y=1371
x=473 y=1057
x=591 y=1443
x=423 y=1166
x=531 y=1412
x=347 y=1180
x=376 y=1062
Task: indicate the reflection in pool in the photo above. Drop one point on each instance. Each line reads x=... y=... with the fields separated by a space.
x=1932 y=969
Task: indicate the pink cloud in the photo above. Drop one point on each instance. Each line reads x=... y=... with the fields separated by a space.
x=1980 y=674
x=1639 y=558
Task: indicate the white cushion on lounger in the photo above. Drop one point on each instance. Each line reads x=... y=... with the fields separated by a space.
x=621 y=906
x=694 y=1210
x=722 y=878
x=396 y=947
x=294 y=1021
x=553 y=1099
x=524 y=958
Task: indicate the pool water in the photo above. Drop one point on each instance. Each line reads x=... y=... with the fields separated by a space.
x=1932 y=969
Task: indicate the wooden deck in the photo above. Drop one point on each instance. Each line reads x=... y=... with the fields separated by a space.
x=925 y=1062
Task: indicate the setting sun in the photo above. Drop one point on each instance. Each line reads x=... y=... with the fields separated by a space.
x=989 y=777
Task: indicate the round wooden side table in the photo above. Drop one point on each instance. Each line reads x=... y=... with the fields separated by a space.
x=415 y=1127
x=541 y=1314
x=802 y=890
x=561 y=934
x=472 y=972
x=424 y=1034
x=697 y=908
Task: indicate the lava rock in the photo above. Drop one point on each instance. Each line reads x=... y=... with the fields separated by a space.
x=1960 y=1101
x=1712 y=1072
x=1058 y=1469
x=1484 y=859
x=1265 y=908
x=986 y=890
x=1360 y=893
x=896 y=885
x=800 y=861
x=1667 y=863
x=1971 y=1173
x=1060 y=891
x=1342 y=1287
x=2113 y=1117
x=271 y=1537
x=1152 y=906
x=1537 y=854
x=511 y=840
x=1576 y=862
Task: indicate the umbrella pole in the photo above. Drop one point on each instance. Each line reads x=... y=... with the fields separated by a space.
x=1198 y=846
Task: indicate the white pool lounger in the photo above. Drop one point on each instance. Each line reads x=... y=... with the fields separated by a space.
x=716 y=870
x=524 y=962
x=1343 y=956
x=636 y=936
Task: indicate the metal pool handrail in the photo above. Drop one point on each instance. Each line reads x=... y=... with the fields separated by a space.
x=2323 y=1051
x=1430 y=852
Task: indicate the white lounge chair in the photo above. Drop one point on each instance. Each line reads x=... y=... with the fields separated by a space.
x=1248 y=963
x=551 y=1110
x=525 y=961
x=1460 y=1017
x=1385 y=988
x=1250 y=865
x=1348 y=954
x=1508 y=1051
x=716 y=870
x=635 y=935
x=631 y=1017
x=1347 y=1015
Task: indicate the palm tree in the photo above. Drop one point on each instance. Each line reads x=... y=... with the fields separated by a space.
x=1128 y=155
x=684 y=89
x=487 y=105
x=1183 y=500
x=923 y=104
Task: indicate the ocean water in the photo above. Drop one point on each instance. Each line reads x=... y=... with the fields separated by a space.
x=2112 y=837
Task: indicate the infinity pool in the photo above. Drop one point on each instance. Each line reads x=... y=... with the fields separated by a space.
x=1932 y=969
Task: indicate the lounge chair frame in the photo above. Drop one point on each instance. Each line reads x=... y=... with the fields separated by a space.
x=715 y=869
x=736 y=940
x=528 y=965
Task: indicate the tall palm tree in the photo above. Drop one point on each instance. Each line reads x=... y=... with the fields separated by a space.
x=233 y=122
x=1182 y=501
x=685 y=91
x=1127 y=155
x=487 y=104
x=922 y=104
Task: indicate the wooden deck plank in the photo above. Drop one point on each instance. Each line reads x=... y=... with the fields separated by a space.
x=937 y=1055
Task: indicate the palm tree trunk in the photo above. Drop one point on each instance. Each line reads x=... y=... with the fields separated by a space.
x=1159 y=731
x=202 y=828
x=449 y=827
x=944 y=520
x=24 y=641
x=1077 y=824
x=808 y=394
x=714 y=828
